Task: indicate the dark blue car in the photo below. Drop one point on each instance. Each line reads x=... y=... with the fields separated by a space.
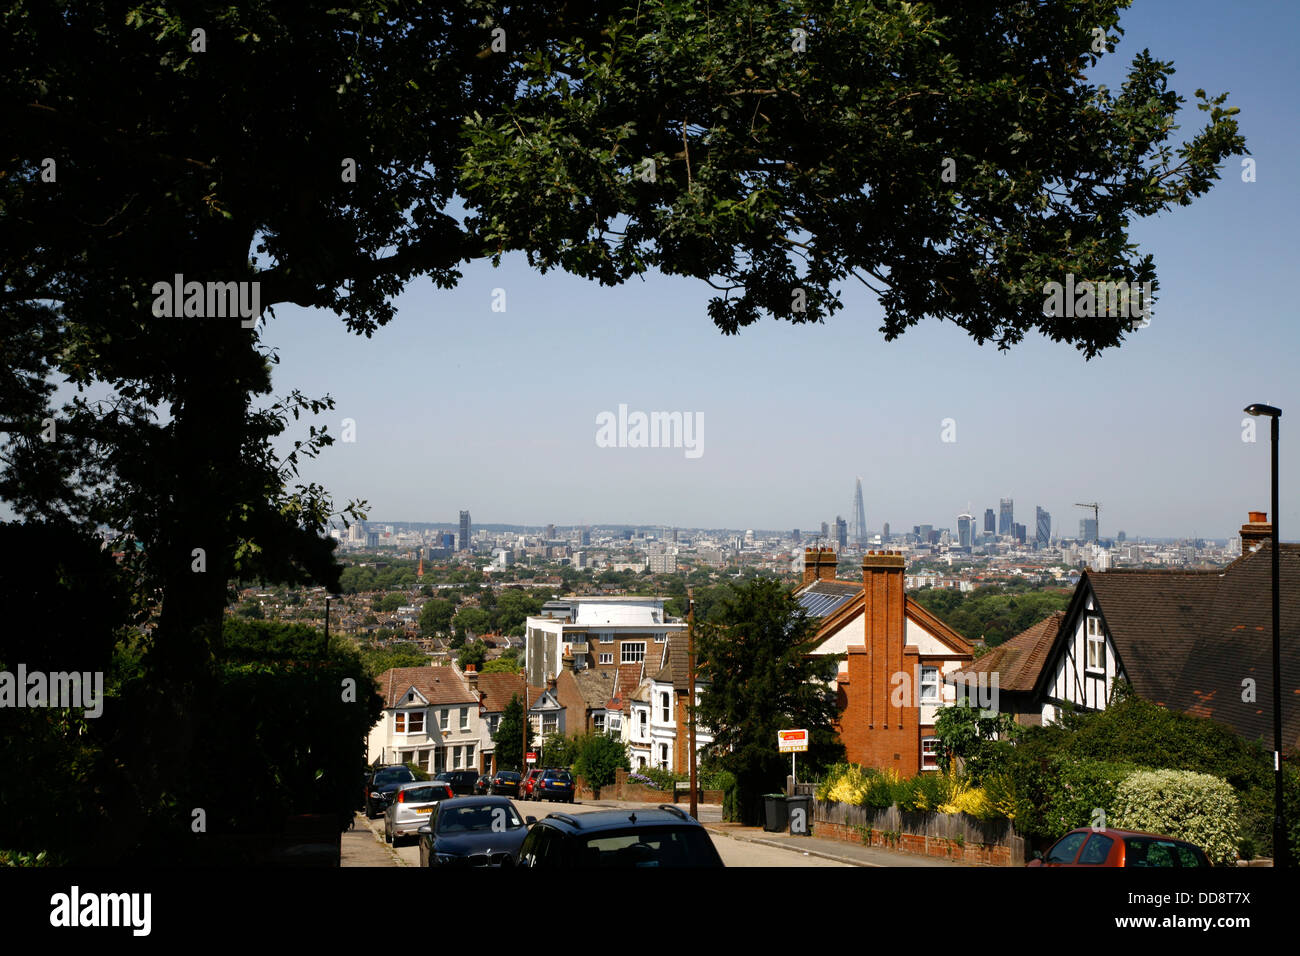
x=473 y=831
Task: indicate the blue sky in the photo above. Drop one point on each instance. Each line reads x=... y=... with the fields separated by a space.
x=457 y=406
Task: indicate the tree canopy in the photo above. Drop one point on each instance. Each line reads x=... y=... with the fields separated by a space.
x=759 y=678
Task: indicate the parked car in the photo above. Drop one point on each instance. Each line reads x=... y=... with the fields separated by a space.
x=526 y=785
x=667 y=837
x=1086 y=846
x=554 y=785
x=506 y=782
x=483 y=785
x=473 y=831
x=382 y=785
x=462 y=781
x=411 y=806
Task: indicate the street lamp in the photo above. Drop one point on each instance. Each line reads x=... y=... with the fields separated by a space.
x=1279 y=830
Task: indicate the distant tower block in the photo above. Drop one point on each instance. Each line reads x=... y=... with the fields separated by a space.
x=859 y=517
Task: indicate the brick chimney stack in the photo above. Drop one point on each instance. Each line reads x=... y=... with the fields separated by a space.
x=873 y=724
x=1255 y=531
x=819 y=564
x=471 y=676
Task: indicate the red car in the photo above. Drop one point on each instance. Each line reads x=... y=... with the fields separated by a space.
x=530 y=778
x=1130 y=848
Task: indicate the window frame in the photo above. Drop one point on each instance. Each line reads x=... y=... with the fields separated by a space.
x=1094 y=637
x=623 y=652
x=929 y=752
x=931 y=690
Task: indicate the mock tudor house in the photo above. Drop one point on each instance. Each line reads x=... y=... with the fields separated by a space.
x=895 y=657
x=1196 y=641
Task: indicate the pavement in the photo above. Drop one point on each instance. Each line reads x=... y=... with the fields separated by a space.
x=360 y=846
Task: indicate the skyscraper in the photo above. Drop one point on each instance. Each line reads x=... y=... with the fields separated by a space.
x=841 y=532
x=826 y=531
x=1006 y=516
x=464 y=531
x=859 y=517
x=1043 y=522
x=884 y=534
x=1087 y=529
x=965 y=529
x=990 y=525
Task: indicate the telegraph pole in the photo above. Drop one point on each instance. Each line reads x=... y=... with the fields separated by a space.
x=690 y=669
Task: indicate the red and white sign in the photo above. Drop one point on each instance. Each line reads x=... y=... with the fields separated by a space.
x=792 y=741
x=531 y=757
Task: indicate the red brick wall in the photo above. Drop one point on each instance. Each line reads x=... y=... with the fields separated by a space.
x=974 y=853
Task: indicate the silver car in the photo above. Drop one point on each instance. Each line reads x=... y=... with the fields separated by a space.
x=412 y=805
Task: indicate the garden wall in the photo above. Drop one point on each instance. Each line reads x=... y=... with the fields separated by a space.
x=950 y=836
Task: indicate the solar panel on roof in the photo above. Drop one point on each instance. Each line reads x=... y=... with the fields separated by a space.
x=821 y=605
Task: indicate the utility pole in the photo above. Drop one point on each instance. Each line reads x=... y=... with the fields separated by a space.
x=690 y=683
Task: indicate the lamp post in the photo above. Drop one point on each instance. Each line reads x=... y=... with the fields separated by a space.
x=1279 y=830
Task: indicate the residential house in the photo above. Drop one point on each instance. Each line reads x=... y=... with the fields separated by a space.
x=430 y=718
x=669 y=711
x=895 y=655
x=1196 y=641
x=545 y=712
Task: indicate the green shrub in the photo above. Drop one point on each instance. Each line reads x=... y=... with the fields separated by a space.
x=1196 y=807
x=723 y=780
x=663 y=779
x=558 y=751
x=418 y=771
x=598 y=757
x=1075 y=790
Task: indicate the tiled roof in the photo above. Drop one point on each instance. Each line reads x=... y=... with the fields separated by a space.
x=439 y=685
x=627 y=679
x=497 y=689
x=1019 y=660
x=595 y=686
x=1153 y=618
x=1235 y=643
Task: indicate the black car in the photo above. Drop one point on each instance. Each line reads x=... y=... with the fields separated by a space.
x=473 y=831
x=462 y=781
x=506 y=782
x=619 y=838
x=554 y=785
x=381 y=786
